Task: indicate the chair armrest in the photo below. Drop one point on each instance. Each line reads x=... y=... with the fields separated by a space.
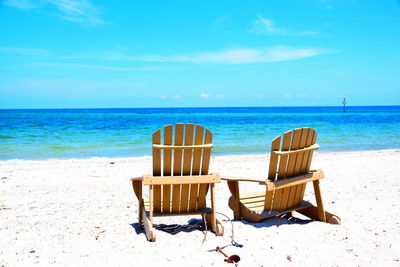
x=243 y=179
x=301 y=179
x=137 y=183
x=171 y=180
x=134 y=179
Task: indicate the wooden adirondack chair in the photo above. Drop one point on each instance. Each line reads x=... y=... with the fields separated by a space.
x=289 y=172
x=180 y=179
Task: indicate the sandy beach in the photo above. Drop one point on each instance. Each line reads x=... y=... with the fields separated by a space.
x=82 y=212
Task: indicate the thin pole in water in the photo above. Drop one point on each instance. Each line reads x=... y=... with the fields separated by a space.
x=344 y=104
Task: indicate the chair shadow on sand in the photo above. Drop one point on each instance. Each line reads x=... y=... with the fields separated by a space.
x=198 y=224
x=192 y=225
x=285 y=219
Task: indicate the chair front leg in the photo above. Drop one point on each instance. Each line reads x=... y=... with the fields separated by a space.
x=213 y=209
x=138 y=189
x=318 y=198
x=234 y=188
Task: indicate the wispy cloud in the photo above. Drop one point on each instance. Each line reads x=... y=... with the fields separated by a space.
x=220 y=24
x=78 y=11
x=204 y=95
x=22 y=4
x=241 y=55
x=76 y=85
x=24 y=51
x=260 y=96
x=266 y=26
x=97 y=67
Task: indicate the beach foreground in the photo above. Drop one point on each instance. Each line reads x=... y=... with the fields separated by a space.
x=82 y=212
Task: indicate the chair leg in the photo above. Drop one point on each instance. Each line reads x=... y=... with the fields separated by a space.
x=312 y=212
x=318 y=198
x=219 y=229
x=137 y=188
x=235 y=201
x=148 y=226
x=213 y=210
x=141 y=204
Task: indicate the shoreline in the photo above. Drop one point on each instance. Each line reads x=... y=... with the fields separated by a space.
x=267 y=153
x=82 y=212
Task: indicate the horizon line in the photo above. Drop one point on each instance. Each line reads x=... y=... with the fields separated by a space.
x=341 y=106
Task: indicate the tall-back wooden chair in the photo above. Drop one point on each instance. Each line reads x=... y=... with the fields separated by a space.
x=180 y=179
x=289 y=172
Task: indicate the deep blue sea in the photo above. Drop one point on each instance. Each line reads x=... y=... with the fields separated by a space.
x=126 y=132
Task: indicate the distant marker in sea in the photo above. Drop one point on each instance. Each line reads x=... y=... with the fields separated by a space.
x=344 y=104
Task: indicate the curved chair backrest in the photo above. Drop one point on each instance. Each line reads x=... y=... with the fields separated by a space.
x=182 y=149
x=291 y=153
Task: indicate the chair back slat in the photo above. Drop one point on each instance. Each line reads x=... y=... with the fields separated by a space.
x=283 y=160
x=311 y=140
x=206 y=154
x=293 y=157
x=156 y=154
x=178 y=154
x=194 y=188
x=157 y=171
x=197 y=151
x=201 y=204
x=187 y=160
x=166 y=189
x=187 y=163
x=273 y=162
x=295 y=190
x=178 y=158
x=282 y=165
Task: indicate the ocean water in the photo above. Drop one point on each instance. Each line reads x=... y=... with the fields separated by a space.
x=77 y=133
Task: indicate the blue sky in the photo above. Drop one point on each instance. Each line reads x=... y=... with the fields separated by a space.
x=77 y=53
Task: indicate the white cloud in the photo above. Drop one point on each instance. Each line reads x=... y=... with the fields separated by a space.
x=24 y=51
x=220 y=96
x=97 y=67
x=241 y=55
x=221 y=20
x=263 y=25
x=260 y=96
x=203 y=95
x=287 y=96
x=22 y=4
x=64 y=86
x=177 y=96
x=78 y=11
x=301 y=95
x=163 y=97
x=267 y=26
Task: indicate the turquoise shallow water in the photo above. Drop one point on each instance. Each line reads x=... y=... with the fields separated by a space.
x=75 y=133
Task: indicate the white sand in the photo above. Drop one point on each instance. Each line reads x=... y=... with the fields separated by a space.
x=79 y=212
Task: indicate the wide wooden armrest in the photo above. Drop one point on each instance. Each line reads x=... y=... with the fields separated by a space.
x=137 y=183
x=171 y=180
x=301 y=179
x=137 y=179
x=243 y=179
